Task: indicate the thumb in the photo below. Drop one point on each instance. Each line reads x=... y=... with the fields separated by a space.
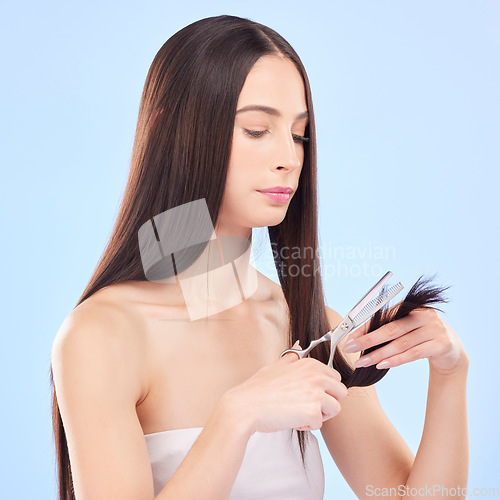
x=295 y=346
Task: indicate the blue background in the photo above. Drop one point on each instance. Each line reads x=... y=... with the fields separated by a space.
x=407 y=107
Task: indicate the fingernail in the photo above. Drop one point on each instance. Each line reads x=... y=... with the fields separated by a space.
x=351 y=346
x=382 y=365
x=296 y=345
x=362 y=362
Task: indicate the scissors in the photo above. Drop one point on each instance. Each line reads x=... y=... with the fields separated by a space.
x=364 y=309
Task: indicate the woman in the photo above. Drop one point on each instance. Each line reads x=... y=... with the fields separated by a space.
x=168 y=382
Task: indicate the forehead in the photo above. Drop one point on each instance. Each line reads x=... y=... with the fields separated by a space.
x=274 y=81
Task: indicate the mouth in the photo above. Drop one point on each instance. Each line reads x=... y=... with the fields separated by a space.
x=278 y=189
x=276 y=196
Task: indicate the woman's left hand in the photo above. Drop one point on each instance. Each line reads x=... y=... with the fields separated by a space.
x=420 y=334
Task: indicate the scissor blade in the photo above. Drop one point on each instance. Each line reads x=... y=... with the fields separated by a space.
x=349 y=323
x=369 y=295
x=375 y=304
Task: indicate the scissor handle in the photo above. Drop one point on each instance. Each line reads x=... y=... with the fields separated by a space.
x=304 y=352
x=365 y=308
x=300 y=354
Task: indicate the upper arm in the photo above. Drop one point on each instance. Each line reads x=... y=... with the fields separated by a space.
x=98 y=367
x=362 y=441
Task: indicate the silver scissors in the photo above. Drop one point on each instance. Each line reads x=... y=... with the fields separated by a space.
x=364 y=309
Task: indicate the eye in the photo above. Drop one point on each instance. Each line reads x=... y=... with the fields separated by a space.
x=255 y=133
x=259 y=133
x=300 y=138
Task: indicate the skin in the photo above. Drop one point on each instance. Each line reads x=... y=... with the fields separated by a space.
x=134 y=334
x=273 y=159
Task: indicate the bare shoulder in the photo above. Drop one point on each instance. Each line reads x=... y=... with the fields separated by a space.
x=101 y=324
x=101 y=317
x=98 y=368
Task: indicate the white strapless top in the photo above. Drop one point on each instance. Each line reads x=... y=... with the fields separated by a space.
x=271 y=467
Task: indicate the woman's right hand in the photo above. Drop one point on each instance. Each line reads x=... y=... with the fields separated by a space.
x=290 y=393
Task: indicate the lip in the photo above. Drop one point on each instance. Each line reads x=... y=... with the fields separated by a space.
x=278 y=194
x=277 y=189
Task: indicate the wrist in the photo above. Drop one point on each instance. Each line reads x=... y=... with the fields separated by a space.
x=460 y=371
x=234 y=416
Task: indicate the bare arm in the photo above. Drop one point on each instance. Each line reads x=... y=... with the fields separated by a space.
x=99 y=377
x=210 y=467
x=443 y=455
x=366 y=447
x=99 y=361
x=362 y=431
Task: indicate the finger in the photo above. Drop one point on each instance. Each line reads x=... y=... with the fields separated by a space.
x=327 y=370
x=295 y=346
x=385 y=333
x=359 y=332
x=335 y=389
x=291 y=355
x=362 y=330
x=395 y=347
x=424 y=350
x=330 y=407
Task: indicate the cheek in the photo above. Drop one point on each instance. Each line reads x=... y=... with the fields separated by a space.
x=248 y=150
x=239 y=178
x=245 y=162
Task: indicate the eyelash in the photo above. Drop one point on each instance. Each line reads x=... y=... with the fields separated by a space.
x=255 y=134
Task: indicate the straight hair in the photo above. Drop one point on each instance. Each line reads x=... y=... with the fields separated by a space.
x=181 y=153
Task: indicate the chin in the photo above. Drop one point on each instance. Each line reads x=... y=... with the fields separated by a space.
x=269 y=220
x=256 y=215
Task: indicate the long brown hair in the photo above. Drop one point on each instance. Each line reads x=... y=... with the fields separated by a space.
x=181 y=153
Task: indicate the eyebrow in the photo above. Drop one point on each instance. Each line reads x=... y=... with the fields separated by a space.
x=269 y=110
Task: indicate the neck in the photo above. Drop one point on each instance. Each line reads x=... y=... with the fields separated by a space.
x=220 y=278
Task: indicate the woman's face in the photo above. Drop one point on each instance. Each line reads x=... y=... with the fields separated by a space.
x=267 y=150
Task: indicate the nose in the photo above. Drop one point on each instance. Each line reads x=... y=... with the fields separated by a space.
x=289 y=155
